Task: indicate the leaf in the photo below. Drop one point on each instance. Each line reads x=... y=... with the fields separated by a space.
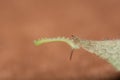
x=108 y=50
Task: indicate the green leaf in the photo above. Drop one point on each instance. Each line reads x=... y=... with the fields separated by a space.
x=108 y=50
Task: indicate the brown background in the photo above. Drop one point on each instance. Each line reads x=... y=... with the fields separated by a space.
x=23 y=21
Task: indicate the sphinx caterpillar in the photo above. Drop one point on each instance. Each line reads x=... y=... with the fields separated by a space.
x=106 y=49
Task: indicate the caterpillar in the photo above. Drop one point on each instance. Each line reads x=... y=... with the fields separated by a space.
x=106 y=49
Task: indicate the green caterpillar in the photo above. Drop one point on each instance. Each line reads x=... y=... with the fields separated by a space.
x=106 y=49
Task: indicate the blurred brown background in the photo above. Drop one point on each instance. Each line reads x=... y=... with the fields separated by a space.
x=23 y=21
